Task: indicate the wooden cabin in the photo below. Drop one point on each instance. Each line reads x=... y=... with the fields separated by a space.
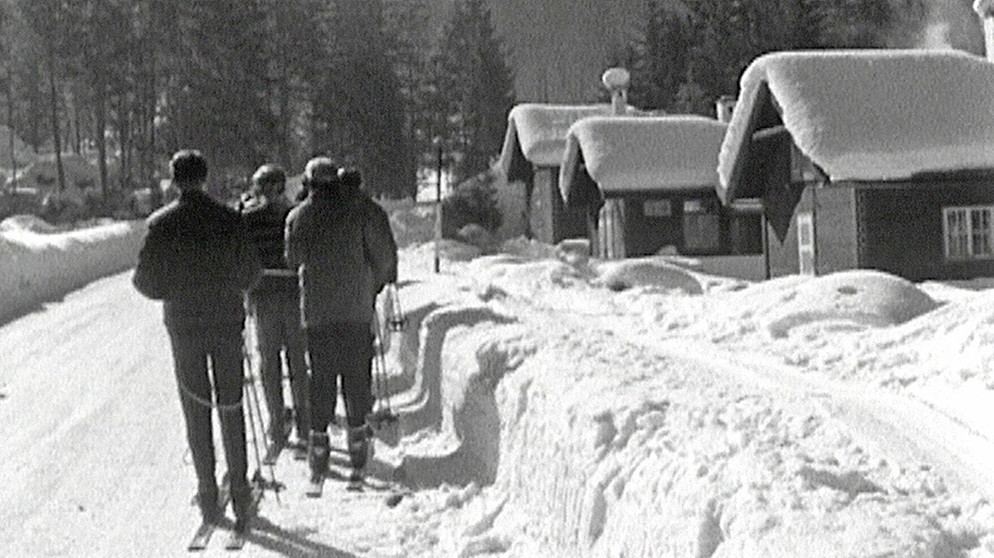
x=867 y=159
x=530 y=159
x=648 y=185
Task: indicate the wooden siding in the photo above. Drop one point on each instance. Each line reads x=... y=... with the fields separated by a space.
x=836 y=242
x=549 y=219
x=901 y=228
x=645 y=235
x=782 y=253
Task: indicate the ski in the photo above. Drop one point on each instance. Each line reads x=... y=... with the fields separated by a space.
x=202 y=535
x=237 y=538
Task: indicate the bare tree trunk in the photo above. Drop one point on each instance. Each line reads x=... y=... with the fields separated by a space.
x=78 y=136
x=10 y=124
x=54 y=106
x=100 y=116
x=285 y=150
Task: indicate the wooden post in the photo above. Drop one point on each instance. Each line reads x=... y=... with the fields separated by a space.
x=438 y=206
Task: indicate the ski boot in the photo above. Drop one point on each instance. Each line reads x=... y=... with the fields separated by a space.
x=207 y=501
x=357 y=440
x=241 y=504
x=318 y=454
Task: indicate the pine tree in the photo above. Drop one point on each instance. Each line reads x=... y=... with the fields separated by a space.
x=686 y=59
x=358 y=111
x=475 y=88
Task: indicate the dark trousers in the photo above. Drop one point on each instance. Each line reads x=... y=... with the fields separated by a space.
x=278 y=333
x=201 y=353
x=340 y=350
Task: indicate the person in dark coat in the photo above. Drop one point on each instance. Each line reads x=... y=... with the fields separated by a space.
x=274 y=304
x=342 y=245
x=197 y=259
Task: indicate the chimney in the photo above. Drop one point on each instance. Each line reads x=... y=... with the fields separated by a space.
x=723 y=108
x=616 y=80
x=985 y=9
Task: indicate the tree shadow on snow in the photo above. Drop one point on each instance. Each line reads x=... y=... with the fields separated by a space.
x=270 y=536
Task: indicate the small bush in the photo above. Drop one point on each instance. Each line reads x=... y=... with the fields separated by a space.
x=472 y=202
x=19 y=203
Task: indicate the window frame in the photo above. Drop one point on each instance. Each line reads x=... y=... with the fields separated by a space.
x=966 y=231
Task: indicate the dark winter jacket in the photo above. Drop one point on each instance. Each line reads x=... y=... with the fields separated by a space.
x=197 y=259
x=265 y=219
x=343 y=247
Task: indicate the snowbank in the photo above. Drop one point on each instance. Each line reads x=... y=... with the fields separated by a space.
x=36 y=265
x=567 y=407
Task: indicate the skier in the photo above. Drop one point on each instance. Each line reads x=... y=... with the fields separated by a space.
x=197 y=259
x=274 y=304
x=341 y=242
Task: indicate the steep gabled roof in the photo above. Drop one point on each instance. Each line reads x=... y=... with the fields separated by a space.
x=869 y=115
x=652 y=154
x=536 y=135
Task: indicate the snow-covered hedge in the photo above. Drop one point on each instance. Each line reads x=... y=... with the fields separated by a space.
x=36 y=265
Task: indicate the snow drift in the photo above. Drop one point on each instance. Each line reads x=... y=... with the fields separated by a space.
x=37 y=264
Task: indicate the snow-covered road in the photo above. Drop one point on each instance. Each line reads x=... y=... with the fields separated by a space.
x=93 y=458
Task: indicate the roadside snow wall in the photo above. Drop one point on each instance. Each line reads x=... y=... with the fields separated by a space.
x=550 y=440
x=38 y=266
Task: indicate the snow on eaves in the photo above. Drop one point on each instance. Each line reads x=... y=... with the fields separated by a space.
x=869 y=115
x=624 y=154
x=537 y=133
x=984 y=8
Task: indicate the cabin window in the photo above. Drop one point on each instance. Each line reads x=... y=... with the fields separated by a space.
x=701 y=226
x=806 y=243
x=968 y=232
x=657 y=208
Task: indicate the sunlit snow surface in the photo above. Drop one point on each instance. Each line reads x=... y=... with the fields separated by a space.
x=563 y=406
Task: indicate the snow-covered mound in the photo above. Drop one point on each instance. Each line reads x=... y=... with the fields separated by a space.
x=38 y=266
x=862 y=297
x=647 y=272
x=572 y=427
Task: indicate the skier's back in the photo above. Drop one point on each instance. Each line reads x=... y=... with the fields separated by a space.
x=197 y=259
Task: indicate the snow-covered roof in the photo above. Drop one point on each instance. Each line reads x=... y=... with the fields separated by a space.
x=868 y=115
x=536 y=134
x=624 y=154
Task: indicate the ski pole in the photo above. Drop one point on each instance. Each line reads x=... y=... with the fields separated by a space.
x=255 y=416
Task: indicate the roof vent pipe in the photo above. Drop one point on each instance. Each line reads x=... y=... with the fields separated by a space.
x=985 y=9
x=616 y=80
